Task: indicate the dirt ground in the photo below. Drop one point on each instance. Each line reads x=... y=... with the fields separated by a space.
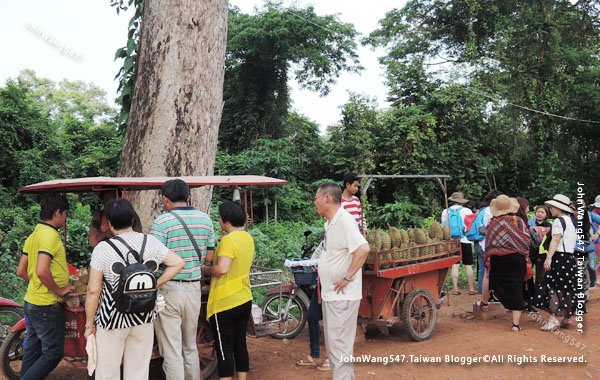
x=457 y=334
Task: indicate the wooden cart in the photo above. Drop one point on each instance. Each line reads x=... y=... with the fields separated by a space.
x=406 y=289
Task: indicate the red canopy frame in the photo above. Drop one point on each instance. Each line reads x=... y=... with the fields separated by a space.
x=126 y=184
x=97 y=184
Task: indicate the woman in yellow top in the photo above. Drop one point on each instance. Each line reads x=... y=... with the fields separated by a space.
x=230 y=299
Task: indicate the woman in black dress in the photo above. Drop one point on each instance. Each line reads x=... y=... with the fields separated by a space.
x=557 y=293
x=506 y=255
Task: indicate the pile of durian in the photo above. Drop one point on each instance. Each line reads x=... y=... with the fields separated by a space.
x=396 y=244
x=80 y=281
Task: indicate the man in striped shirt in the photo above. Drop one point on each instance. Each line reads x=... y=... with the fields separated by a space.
x=351 y=203
x=176 y=324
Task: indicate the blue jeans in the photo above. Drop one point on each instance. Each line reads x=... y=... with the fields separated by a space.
x=480 y=267
x=315 y=314
x=45 y=340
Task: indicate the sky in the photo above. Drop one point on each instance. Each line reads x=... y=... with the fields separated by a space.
x=77 y=40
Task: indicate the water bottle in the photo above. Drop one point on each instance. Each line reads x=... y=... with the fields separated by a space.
x=256 y=314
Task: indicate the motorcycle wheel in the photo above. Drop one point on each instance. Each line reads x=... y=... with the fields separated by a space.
x=9 y=315
x=289 y=323
x=11 y=354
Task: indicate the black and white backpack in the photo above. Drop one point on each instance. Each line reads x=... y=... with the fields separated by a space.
x=136 y=289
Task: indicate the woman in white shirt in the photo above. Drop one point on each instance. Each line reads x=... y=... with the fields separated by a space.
x=557 y=294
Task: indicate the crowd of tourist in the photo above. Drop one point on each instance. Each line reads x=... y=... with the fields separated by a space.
x=530 y=263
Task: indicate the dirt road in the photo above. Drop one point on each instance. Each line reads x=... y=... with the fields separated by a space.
x=457 y=338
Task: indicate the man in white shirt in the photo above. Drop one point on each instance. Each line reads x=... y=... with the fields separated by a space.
x=341 y=279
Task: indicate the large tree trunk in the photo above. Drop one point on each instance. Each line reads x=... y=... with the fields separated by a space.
x=178 y=96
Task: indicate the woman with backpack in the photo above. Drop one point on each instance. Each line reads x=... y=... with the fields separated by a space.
x=123 y=327
x=557 y=293
x=506 y=255
x=454 y=218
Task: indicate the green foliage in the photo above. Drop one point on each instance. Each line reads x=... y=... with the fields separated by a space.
x=79 y=249
x=509 y=57
x=126 y=75
x=402 y=213
x=49 y=131
x=262 y=49
x=276 y=242
x=352 y=141
x=16 y=224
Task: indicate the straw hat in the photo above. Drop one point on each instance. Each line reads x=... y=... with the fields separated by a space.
x=561 y=202
x=503 y=205
x=458 y=197
x=596 y=202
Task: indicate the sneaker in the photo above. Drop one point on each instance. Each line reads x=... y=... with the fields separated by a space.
x=551 y=325
x=493 y=299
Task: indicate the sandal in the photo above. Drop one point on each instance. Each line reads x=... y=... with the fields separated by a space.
x=481 y=305
x=516 y=328
x=472 y=292
x=456 y=293
x=307 y=362
x=325 y=366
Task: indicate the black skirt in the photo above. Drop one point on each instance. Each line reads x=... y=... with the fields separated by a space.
x=507 y=274
x=556 y=293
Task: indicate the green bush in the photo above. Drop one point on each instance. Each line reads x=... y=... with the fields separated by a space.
x=16 y=224
x=276 y=242
x=79 y=251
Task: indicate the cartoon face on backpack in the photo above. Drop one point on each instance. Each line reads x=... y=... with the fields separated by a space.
x=138 y=280
x=135 y=291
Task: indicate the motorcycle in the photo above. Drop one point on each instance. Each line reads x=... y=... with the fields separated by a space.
x=287 y=305
x=10 y=313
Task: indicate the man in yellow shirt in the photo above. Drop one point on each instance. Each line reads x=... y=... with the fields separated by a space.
x=44 y=265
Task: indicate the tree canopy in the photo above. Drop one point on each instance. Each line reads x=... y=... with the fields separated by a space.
x=533 y=64
x=265 y=51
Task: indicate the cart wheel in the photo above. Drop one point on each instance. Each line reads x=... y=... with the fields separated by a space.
x=419 y=314
x=289 y=323
x=206 y=354
x=205 y=341
x=11 y=354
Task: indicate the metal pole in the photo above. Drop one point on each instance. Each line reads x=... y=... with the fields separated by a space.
x=251 y=207
x=246 y=207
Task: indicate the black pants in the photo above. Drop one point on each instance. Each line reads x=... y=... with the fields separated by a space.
x=229 y=329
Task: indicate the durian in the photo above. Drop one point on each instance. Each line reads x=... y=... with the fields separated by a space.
x=436 y=231
x=420 y=236
x=395 y=236
x=404 y=238
x=374 y=240
x=386 y=241
x=446 y=233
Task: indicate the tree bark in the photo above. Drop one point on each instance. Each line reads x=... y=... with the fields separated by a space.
x=178 y=97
